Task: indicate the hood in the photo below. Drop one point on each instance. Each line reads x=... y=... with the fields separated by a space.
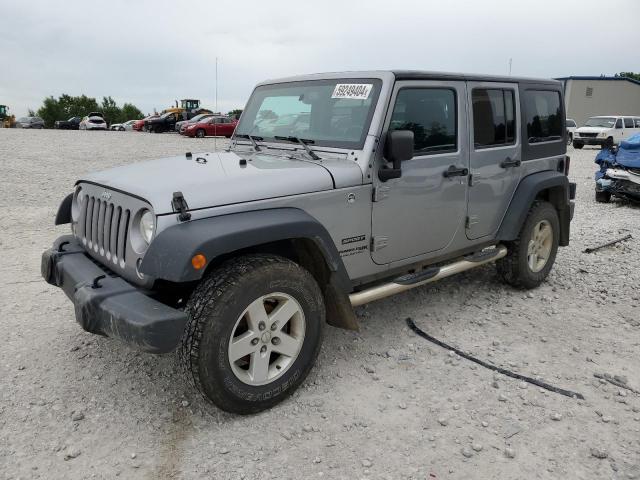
x=592 y=129
x=218 y=178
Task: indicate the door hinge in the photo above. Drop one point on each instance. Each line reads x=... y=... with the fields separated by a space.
x=380 y=192
x=378 y=242
x=471 y=220
x=471 y=179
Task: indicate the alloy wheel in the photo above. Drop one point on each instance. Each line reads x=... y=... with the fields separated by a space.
x=540 y=244
x=266 y=339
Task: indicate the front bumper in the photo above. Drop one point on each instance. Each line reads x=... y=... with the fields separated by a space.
x=106 y=304
x=589 y=140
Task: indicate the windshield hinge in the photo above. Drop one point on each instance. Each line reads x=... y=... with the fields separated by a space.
x=378 y=242
x=381 y=192
x=180 y=206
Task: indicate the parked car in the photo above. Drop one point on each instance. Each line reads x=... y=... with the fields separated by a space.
x=121 y=127
x=239 y=257
x=138 y=125
x=72 y=124
x=164 y=123
x=216 y=126
x=605 y=130
x=619 y=173
x=30 y=122
x=93 y=121
x=182 y=125
x=571 y=130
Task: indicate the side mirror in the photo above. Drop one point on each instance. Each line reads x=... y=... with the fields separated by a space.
x=397 y=148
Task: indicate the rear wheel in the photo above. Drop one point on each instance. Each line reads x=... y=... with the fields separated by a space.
x=603 y=197
x=200 y=133
x=254 y=331
x=531 y=256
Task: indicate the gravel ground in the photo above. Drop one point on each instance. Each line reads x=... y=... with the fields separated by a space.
x=381 y=403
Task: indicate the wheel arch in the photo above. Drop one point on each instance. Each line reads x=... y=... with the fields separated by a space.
x=550 y=186
x=288 y=232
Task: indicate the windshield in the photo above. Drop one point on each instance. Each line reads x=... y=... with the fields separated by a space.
x=606 y=122
x=333 y=113
x=197 y=118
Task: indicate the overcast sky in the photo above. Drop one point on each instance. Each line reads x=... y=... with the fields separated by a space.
x=151 y=53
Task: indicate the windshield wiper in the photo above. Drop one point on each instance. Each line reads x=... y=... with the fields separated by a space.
x=252 y=138
x=302 y=141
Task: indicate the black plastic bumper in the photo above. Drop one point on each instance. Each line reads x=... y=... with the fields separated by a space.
x=589 y=140
x=107 y=304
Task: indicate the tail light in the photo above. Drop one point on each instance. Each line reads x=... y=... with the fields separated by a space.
x=563 y=165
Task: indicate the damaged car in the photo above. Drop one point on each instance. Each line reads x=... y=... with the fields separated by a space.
x=619 y=173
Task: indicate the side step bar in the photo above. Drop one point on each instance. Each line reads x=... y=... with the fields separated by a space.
x=407 y=282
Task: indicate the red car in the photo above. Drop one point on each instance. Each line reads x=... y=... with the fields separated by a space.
x=139 y=124
x=212 y=126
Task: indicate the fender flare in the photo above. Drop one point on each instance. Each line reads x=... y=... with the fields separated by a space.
x=64 y=211
x=169 y=255
x=526 y=192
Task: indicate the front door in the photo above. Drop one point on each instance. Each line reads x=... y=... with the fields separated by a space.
x=421 y=211
x=495 y=154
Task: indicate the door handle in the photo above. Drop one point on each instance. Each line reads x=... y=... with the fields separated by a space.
x=454 y=171
x=508 y=163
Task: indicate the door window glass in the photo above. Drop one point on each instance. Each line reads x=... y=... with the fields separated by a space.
x=493 y=117
x=628 y=122
x=543 y=115
x=430 y=113
x=619 y=123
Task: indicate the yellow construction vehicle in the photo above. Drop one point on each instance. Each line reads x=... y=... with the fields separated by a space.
x=188 y=108
x=6 y=120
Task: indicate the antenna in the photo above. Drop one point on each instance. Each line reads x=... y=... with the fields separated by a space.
x=510 y=62
x=215 y=128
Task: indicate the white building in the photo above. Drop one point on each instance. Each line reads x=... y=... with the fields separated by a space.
x=586 y=97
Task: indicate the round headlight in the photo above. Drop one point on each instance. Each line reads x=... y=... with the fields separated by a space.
x=146 y=226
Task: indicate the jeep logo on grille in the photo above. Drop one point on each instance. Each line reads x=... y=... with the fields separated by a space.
x=105 y=195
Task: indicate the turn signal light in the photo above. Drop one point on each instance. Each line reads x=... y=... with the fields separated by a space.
x=198 y=261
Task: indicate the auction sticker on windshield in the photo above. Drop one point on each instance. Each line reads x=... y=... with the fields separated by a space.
x=358 y=91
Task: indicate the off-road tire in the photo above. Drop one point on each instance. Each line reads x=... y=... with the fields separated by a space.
x=603 y=197
x=213 y=310
x=569 y=138
x=578 y=145
x=514 y=268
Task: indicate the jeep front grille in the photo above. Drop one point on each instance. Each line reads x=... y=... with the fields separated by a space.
x=104 y=227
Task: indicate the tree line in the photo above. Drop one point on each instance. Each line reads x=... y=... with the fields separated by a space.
x=67 y=106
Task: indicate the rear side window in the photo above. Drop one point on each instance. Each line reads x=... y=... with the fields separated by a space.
x=543 y=115
x=628 y=123
x=493 y=117
x=430 y=113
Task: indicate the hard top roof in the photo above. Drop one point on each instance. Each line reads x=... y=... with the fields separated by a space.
x=413 y=75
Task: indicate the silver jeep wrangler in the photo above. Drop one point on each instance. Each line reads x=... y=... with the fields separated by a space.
x=338 y=189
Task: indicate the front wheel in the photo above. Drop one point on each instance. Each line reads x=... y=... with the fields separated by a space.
x=531 y=255
x=578 y=145
x=254 y=331
x=200 y=133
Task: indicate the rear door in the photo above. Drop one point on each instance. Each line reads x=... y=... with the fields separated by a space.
x=421 y=211
x=495 y=154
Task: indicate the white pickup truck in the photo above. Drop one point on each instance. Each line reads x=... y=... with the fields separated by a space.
x=604 y=130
